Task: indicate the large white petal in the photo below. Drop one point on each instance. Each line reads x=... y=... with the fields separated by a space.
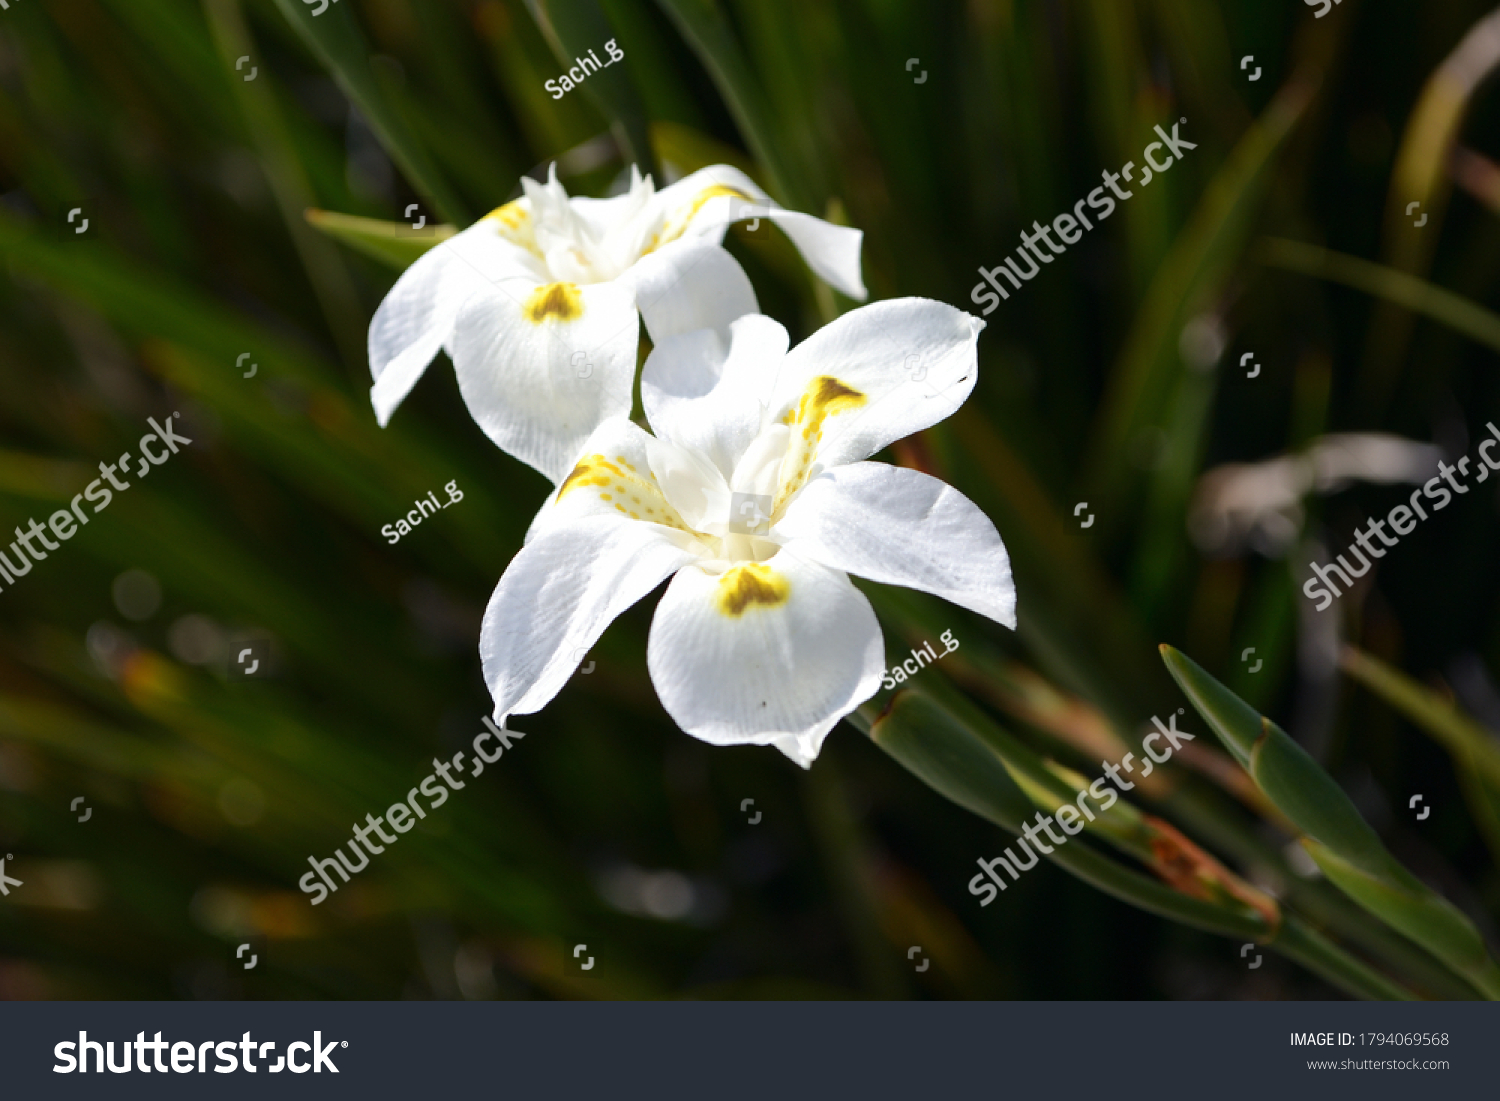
x=704 y=202
x=876 y=375
x=556 y=598
x=902 y=527
x=771 y=653
x=688 y=285
x=542 y=365
x=414 y=321
x=701 y=396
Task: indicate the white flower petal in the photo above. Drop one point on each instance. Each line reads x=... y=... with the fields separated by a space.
x=876 y=375
x=768 y=653
x=803 y=749
x=703 y=203
x=542 y=365
x=688 y=285
x=902 y=527
x=706 y=397
x=414 y=321
x=690 y=484
x=831 y=251
x=615 y=477
x=556 y=598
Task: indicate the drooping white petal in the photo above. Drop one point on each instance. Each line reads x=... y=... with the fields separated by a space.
x=704 y=202
x=414 y=321
x=831 y=251
x=541 y=366
x=902 y=527
x=556 y=598
x=876 y=375
x=765 y=653
x=688 y=285
x=707 y=398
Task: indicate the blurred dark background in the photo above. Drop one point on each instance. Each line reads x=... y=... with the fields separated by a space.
x=1114 y=378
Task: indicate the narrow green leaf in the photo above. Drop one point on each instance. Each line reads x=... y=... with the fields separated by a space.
x=336 y=39
x=702 y=23
x=954 y=760
x=654 y=69
x=325 y=267
x=1343 y=844
x=1476 y=757
x=1455 y=731
x=940 y=752
x=1453 y=310
x=1199 y=259
x=379 y=240
x=1291 y=779
x=1237 y=724
x=954 y=756
x=1425 y=917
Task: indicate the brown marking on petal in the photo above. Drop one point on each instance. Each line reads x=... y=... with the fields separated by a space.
x=563 y=301
x=826 y=394
x=752 y=583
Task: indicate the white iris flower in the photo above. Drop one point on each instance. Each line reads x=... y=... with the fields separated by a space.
x=754 y=497
x=536 y=303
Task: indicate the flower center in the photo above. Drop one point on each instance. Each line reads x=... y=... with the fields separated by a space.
x=587 y=241
x=729 y=518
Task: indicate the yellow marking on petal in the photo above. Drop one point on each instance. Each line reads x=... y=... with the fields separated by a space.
x=513 y=222
x=587 y=473
x=825 y=396
x=677 y=224
x=714 y=191
x=512 y=215
x=596 y=470
x=563 y=301
x=751 y=583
